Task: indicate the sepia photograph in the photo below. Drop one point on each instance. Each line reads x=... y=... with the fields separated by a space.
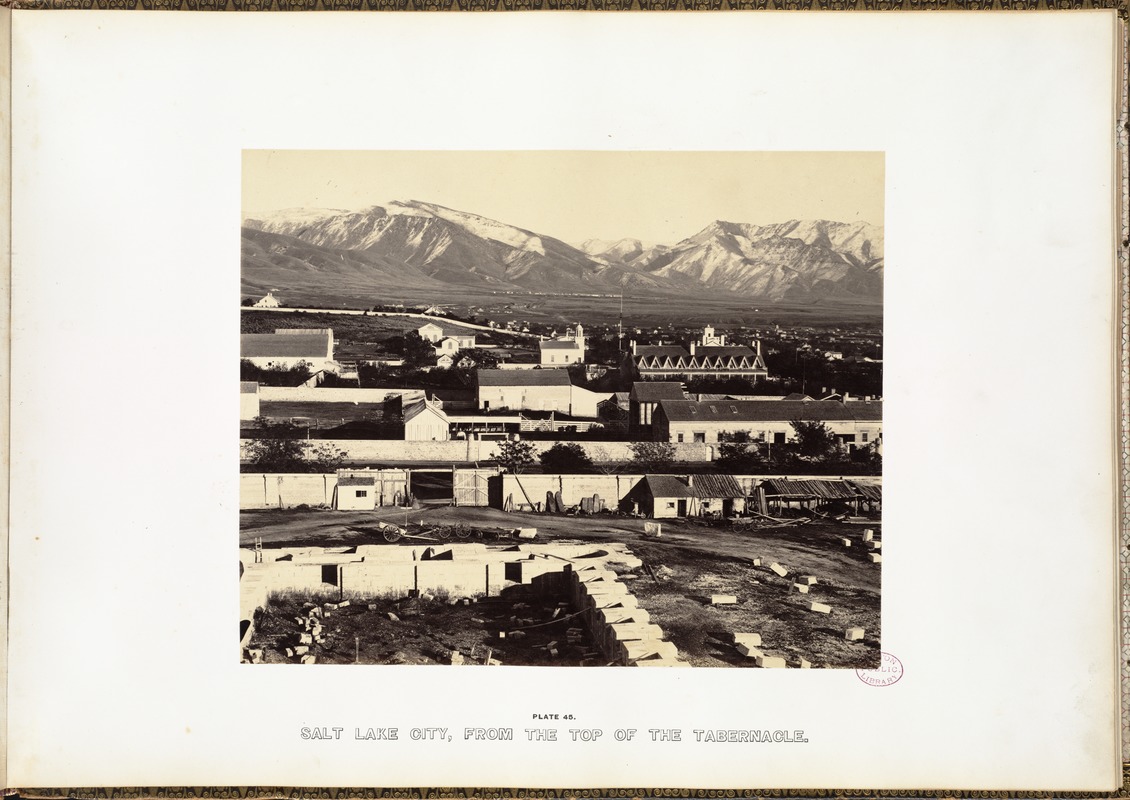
x=561 y=408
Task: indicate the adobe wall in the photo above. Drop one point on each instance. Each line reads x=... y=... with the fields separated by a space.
x=306 y=394
x=472 y=450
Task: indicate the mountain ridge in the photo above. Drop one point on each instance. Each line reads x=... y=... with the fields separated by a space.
x=427 y=243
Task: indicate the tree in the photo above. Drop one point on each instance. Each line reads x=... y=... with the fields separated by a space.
x=325 y=457
x=418 y=352
x=738 y=453
x=652 y=456
x=280 y=448
x=565 y=457
x=477 y=357
x=515 y=454
x=813 y=439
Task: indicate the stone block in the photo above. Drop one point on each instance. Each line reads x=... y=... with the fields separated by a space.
x=749 y=651
x=874 y=544
x=770 y=662
x=527 y=533
x=723 y=600
x=803 y=663
x=757 y=562
x=868 y=535
x=820 y=608
x=308 y=659
x=875 y=558
x=301 y=650
x=807 y=580
x=801 y=587
x=305 y=638
x=853 y=634
x=748 y=639
x=845 y=542
x=778 y=569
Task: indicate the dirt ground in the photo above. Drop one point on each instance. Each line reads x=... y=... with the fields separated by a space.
x=689 y=562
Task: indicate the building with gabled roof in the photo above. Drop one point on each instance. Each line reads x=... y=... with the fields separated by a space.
x=856 y=424
x=270 y=301
x=535 y=390
x=425 y=421
x=562 y=351
x=708 y=358
x=430 y=332
x=287 y=347
x=644 y=398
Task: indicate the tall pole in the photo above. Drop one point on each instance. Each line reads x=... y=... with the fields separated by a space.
x=620 y=324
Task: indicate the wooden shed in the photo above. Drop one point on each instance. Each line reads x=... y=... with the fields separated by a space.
x=661 y=497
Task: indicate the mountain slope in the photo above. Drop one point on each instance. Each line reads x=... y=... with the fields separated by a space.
x=428 y=245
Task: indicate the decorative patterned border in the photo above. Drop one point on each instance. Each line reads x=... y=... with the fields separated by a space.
x=1123 y=155
x=574 y=5
x=283 y=793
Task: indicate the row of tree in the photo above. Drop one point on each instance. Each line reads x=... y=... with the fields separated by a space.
x=279 y=448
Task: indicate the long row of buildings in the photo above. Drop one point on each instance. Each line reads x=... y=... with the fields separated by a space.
x=511 y=401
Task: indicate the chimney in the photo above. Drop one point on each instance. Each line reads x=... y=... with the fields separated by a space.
x=690 y=481
x=633 y=344
x=693 y=346
x=757 y=342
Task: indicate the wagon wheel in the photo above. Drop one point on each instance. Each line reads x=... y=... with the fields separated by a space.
x=462 y=532
x=443 y=532
x=391 y=534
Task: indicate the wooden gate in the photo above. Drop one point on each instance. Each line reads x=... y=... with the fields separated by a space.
x=469 y=486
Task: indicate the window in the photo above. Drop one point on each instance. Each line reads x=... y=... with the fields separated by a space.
x=670 y=504
x=680 y=439
x=700 y=436
x=362 y=493
x=863 y=436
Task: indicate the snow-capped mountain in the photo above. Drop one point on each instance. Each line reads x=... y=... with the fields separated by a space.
x=423 y=244
x=791 y=260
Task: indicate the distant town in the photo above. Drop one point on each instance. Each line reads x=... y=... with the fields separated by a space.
x=469 y=442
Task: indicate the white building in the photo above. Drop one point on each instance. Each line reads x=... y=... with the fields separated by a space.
x=248 y=400
x=536 y=390
x=286 y=348
x=424 y=421
x=270 y=301
x=855 y=424
x=430 y=332
x=564 y=350
x=454 y=343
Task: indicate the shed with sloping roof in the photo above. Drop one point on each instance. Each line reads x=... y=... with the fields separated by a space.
x=661 y=497
x=718 y=495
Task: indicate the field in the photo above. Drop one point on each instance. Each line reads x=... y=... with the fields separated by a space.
x=640 y=311
x=688 y=564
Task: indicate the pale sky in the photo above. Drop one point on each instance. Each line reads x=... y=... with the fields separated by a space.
x=659 y=197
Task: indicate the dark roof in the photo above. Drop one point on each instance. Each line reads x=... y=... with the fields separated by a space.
x=708 y=486
x=728 y=350
x=413 y=410
x=292 y=345
x=673 y=350
x=357 y=480
x=556 y=344
x=870 y=492
x=819 y=489
x=797 y=396
x=776 y=411
x=666 y=486
x=523 y=377
x=654 y=391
